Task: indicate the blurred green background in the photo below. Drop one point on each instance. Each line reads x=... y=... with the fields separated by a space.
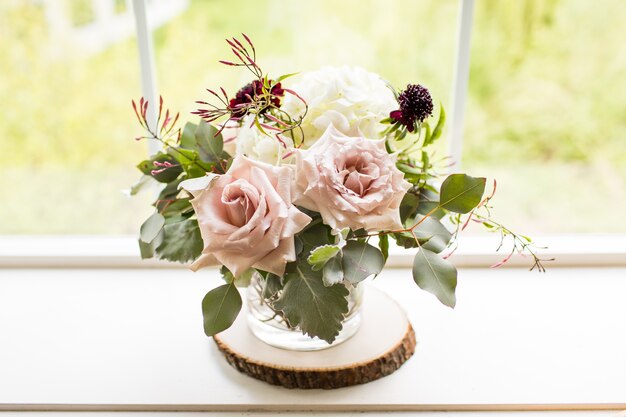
x=546 y=111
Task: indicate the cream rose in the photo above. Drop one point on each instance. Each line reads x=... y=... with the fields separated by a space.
x=246 y=217
x=253 y=143
x=350 y=98
x=351 y=181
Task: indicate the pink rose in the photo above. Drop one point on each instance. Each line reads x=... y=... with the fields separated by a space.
x=351 y=181
x=246 y=217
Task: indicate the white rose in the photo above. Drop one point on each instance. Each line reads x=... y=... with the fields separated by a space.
x=254 y=144
x=350 y=98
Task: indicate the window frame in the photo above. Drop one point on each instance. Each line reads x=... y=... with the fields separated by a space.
x=475 y=251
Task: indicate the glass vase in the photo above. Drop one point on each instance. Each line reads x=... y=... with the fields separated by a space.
x=270 y=327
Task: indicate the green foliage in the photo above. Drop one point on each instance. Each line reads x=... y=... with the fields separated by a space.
x=429 y=138
x=208 y=145
x=167 y=175
x=220 y=308
x=434 y=234
x=461 y=193
x=322 y=254
x=312 y=306
x=181 y=241
x=383 y=244
x=151 y=228
x=361 y=260
x=436 y=275
x=333 y=272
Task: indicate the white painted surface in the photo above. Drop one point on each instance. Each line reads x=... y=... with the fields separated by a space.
x=459 y=82
x=148 y=71
x=474 y=251
x=133 y=340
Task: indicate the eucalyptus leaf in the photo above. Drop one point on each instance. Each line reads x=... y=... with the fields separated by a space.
x=169 y=192
x=361 y=260
x=210 y=145
x=432 y=230
x=220 y=308
x=408 y=206
x=148 y=250
x=436 y=275
x=307 y=303
x=188 y=136
x=178 y=207
x=460 y=193
x=151 y=227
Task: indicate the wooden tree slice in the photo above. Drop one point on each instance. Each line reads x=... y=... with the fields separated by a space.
x=383 y=343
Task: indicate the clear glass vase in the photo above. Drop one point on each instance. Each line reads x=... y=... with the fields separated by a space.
x=271 y=328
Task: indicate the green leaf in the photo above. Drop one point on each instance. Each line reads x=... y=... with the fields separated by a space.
x=169 y=192
x=182 y=241
x=220 y=308
x=383 y=244
x=460 y=193
x=315 y=236
x=360 y=260
x=242 y=281
x=436 y=275
x=333 y=271
x=307 y=303
x=178 y=207
x=227 y=276
x=151 y=227
x=427 y=135
x=188 y=136
x=406 y=240
x=167 y=175
x=146 y=250
x=429 y=201
x=408 y=206
x=285 y=76
x=273 y=284
x=438 y=128
x=191 y=162
x=210 y=146
x=322 y=254
x=144 y=182
x=436 y=234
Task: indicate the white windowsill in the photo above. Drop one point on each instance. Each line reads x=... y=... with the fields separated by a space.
x=132 y=340
x=122 y=252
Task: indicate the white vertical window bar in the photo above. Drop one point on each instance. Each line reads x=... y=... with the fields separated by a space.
x=459 y=82
x=148 y=73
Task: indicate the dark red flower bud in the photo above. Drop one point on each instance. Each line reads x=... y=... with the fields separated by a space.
x=415 y=106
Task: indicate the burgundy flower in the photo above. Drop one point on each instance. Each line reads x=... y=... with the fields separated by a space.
x=247 y=95
x=415 y=106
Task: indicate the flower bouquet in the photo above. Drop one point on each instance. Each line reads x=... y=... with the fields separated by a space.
x=297 y=185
